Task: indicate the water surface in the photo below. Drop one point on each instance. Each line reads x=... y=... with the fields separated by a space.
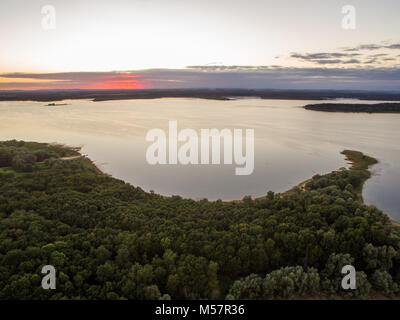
x=291 y=144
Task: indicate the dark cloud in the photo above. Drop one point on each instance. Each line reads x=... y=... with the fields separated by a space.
x=356 y=55
x=394 y=46
x=377 y=55
x=369 y=47
x=373 y=47
x=323 y=55
x=364 y=47
x=371 y=61
x=325 y=58
x=327 y=61
x=351 y=61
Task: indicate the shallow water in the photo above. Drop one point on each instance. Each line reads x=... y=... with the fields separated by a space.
x=291 y=144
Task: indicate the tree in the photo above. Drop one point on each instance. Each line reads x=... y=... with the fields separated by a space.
x=23 y=161
x=378 y=257
x=249 y=288
x=5 y=157
x=382 y=281
x=102 y=254
x=123 y=257
x=291 y=282
x=152 y=293
x=106 y=272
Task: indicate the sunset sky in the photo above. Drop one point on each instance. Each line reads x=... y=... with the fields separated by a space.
x=132 y=44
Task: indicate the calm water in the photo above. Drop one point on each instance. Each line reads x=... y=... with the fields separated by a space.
x=291 y=144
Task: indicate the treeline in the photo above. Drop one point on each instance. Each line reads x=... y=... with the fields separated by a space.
x=215 y=93
x=355 y=107
x=22 y=156
x=109 y=240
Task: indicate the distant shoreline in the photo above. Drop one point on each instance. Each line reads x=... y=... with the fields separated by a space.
x=355 y=108
x=212 y=94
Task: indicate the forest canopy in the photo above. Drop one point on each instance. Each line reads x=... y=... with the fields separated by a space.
x=110 y=240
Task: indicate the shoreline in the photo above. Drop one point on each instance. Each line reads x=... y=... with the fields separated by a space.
x=375 y=108
x=359 y=163
x=210 y=94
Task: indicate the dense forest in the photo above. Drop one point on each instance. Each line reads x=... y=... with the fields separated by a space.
x=110 y=240
x=355 y=107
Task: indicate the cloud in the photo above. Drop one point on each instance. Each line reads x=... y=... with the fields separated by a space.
x=248 y=77
x=372 y=61
x=325 y=58
x=365 y=47
x=324 y=55
x=328 y=61
x=393 y=46
x=352 y=61
x=377 y=55
x=75 y=80
x=373 y=47
x=356 y=55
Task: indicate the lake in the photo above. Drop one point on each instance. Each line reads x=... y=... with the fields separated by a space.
x=291 y=144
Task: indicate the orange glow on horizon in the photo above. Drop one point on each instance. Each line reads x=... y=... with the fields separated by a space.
x=101 y=82
x=125 y=81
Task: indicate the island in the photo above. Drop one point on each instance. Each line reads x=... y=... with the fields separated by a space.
x=56 y=104
x=355 y=108
x=110 y=240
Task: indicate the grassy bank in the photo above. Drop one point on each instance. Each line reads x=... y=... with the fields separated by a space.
x=360 y=163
